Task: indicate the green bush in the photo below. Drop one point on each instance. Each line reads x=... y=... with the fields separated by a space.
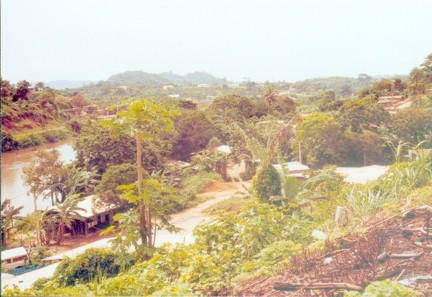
x=8 y=142
x=91 y=265
x=38 y=254
x=28 y=140
x=271 y=258
x=55 y=135
x=266 y=183
x=20 y=141
x=191 y=185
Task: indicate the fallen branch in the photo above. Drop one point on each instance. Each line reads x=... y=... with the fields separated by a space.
x=426 y=208
x=425 y=246
x=315 y=286
x=416 y=229
x=400 y=275
x=387 y=275
x=403 y=256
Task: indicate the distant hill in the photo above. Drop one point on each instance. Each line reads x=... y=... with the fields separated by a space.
x=173 y=78
x=137 y=77
x=67 y=84
x=198 y=77
x=165 y=78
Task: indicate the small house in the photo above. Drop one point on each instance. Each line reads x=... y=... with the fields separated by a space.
x=97 y=216
x=14 y=258
x=295 y=168
x=390 y=102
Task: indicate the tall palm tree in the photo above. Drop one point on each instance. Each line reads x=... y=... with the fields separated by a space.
x=416 y=77
x=270 y=97
x=65 y=213
x=143 y=120
x=9 y=215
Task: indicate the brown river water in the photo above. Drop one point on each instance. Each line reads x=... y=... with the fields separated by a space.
x=12 y=165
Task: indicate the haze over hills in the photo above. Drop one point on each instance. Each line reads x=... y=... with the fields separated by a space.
x=145 y=78
x=197 y=77
x=167 y=78
x=68 y=84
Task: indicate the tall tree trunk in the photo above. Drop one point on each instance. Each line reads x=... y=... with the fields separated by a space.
x=36 y=215
x=154 y=234
x=60 y=232
x=149 y=226
x=141 y=205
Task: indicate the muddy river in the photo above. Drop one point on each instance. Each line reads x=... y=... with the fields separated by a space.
x=12 y=165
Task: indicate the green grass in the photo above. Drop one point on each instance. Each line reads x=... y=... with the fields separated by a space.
x=230 y=205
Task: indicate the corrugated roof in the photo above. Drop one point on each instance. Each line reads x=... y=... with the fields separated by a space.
x=90 y=209
x=293 y=167
x=224 y=149
x=13 y=253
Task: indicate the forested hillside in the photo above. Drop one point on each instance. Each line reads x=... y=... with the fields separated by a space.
x=33 y=115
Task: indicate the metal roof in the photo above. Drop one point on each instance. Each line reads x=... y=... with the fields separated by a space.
x=13 y=253
x=224 y=149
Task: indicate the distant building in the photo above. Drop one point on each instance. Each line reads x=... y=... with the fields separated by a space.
x=223 y=149
x=176 y=96
x=168 y=87
x=391 y=103
x=294 y=168
x=233 y=86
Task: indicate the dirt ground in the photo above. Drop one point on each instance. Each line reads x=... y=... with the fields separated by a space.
x=217 y=187
x=74 y=242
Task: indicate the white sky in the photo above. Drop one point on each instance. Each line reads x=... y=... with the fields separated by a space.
x=272 y=40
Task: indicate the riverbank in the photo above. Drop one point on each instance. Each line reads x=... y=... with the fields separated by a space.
x=18 y=141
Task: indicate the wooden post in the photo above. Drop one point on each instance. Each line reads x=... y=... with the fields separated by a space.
x=36 y=215
x=340 y=216
x=300 y=153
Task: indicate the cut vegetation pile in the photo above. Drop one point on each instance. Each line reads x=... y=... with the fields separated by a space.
x=398 y=248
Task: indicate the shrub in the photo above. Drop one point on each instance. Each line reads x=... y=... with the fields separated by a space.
x=38 y=254
x=271 y=258
x=266 y=183
x=8 y=142
x=28 y=140
x=55 y=135
x=86 y=267
x=194 y=184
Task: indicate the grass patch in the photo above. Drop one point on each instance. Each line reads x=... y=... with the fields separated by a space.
x=230 y=205
x=35 y=138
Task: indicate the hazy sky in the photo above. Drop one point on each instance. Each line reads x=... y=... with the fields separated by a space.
x=272 y=40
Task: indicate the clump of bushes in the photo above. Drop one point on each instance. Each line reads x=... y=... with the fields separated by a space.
x=88 y=266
